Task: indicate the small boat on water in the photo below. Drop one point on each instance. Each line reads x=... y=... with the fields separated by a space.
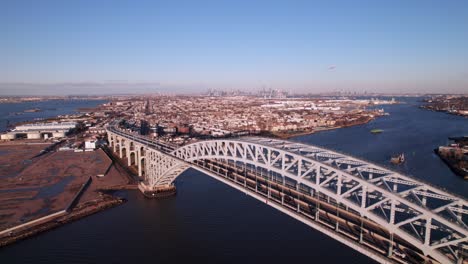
x=398 y=159
x=376 y=131
x=33 y=110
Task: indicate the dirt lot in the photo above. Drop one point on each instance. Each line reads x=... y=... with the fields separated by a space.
x=15 y=157
x=32 y=187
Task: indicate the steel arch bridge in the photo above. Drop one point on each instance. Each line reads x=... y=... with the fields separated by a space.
x=404 y=220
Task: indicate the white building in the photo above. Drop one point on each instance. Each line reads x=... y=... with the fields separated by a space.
x=46 y=126
x=90 y=144
x=39 y=130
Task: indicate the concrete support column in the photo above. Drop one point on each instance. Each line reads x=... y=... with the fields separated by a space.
x=109 y=139
x=127 y=151
x=120 y=149
x=140 y=169
x=137 y=159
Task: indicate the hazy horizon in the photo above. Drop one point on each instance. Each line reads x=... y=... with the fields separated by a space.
x=111 y=88
x=87 y=47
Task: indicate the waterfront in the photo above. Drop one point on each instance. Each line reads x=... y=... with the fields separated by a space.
x=15 y=112
x=408 y=129
x=208 y=221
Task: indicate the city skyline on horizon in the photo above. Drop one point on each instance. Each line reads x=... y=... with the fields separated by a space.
x=116 y=47
x=56 y=90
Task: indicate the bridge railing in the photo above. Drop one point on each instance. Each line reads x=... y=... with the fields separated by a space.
x=384 y=167
x=395 y=196
x=368 y=162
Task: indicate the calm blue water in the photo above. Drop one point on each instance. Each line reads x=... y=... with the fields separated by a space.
x=14 y=112
x=208 y=222
x=410 y=130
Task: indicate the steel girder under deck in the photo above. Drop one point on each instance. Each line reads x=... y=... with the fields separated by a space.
x=427 y=217
x=431 y=219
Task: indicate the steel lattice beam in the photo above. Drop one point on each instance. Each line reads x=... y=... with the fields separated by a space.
x=398 y=203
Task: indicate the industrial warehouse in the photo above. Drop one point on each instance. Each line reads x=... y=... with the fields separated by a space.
x=39 y=131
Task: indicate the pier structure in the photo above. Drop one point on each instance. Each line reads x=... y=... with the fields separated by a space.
x=389 y=217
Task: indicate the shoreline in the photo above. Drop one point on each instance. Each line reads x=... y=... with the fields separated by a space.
x=305 y=133
x=442 y=111
x=107 y=200
x=102 y=200
x=81 y=211
x=36 y=99
x=51 y=117
x=452 y=166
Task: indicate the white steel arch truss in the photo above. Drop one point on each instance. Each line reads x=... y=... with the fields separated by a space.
x=162 y=169
x=431 y=219
x=425 y=216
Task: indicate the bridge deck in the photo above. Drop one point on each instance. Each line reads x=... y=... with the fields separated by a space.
x=421 y=214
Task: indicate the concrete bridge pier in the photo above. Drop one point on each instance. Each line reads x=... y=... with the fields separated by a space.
x=157 y=191
x=159 y=170
x=383 y=214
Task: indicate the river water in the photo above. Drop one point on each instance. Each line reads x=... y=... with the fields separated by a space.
x=209 y=222
x=11 y=113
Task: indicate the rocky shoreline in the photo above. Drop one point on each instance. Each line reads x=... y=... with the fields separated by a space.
x=455 y=156
x=79 y=212
x=455 y=105
x=22 y=210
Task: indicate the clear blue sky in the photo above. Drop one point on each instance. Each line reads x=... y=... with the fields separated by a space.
x=109 y=46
